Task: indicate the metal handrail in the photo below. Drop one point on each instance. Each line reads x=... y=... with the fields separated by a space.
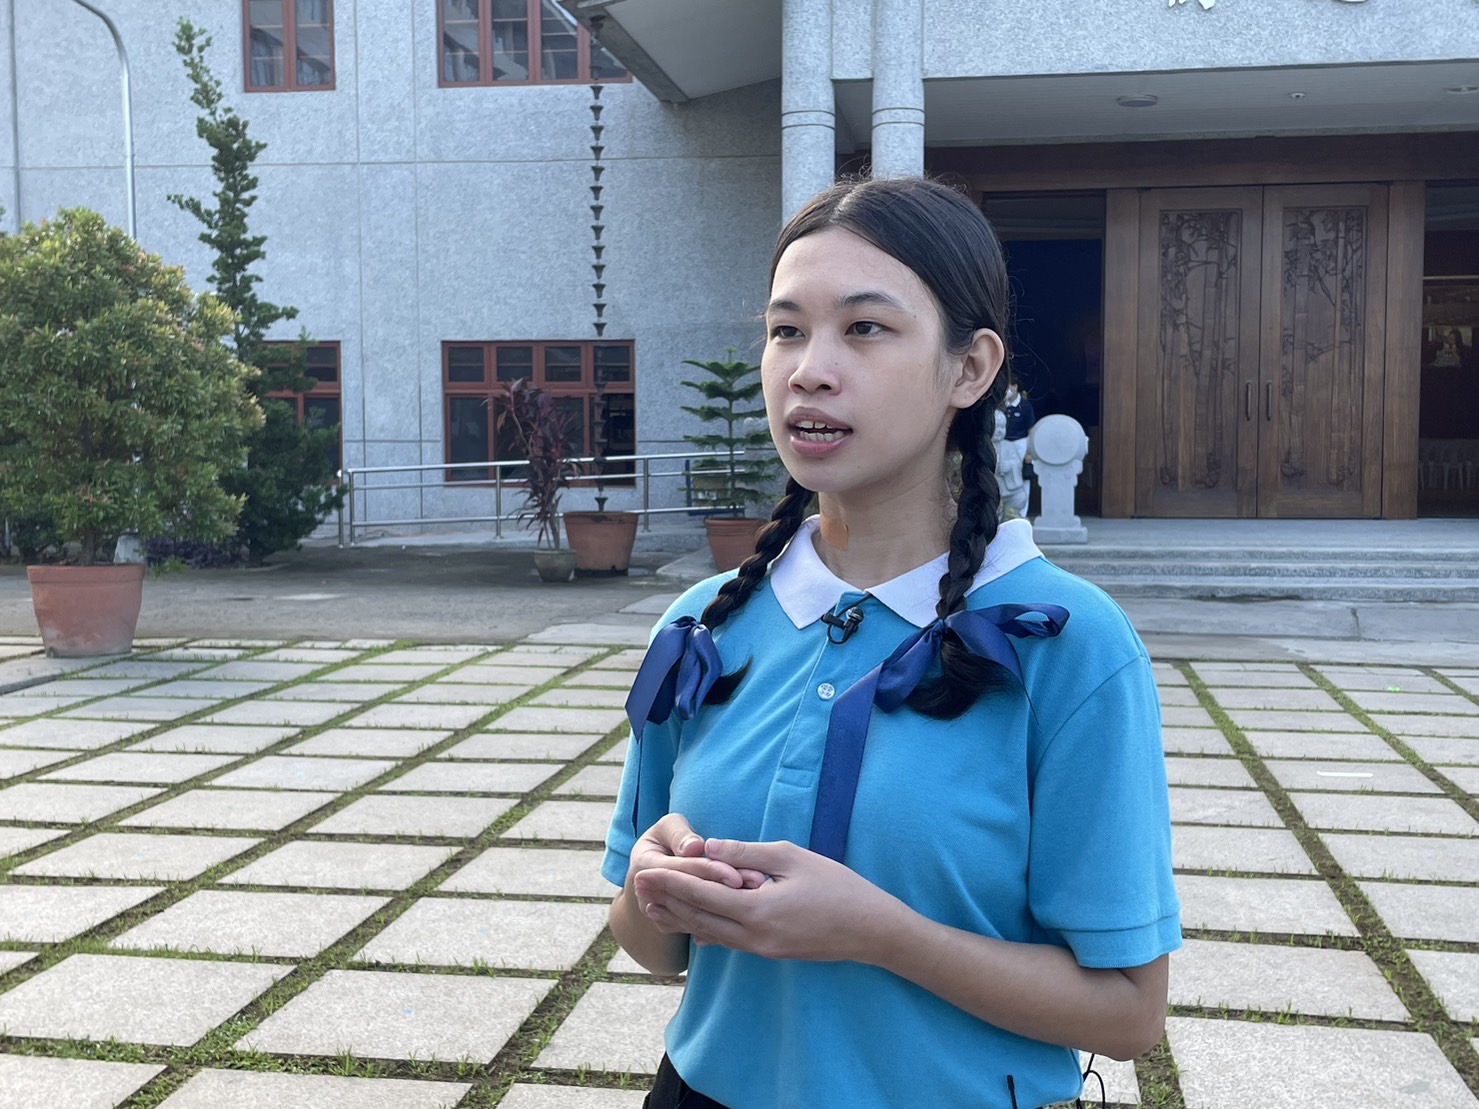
x=349 y=476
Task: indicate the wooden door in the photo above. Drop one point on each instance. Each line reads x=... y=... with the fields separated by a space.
x=1198 y=351
x=1322 y=351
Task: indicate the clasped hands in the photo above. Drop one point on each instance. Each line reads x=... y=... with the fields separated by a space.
x=777 y=899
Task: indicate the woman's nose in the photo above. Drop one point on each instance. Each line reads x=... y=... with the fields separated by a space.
x=817 y=368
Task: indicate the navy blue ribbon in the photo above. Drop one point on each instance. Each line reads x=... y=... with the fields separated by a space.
x=679 y=668
x=984 y=633
x=683 y=663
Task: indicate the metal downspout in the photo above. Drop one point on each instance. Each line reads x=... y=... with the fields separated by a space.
x=128 y=119
x=15 y=128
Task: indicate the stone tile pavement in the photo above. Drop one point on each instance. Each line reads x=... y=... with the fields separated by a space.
x=362 y=874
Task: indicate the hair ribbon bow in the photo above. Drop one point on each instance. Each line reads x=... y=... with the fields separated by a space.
x=984 y=632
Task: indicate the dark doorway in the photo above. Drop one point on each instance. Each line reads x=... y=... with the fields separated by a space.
x=1448 y=405
x=1055 y=257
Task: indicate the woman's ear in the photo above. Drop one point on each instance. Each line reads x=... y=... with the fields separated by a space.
x=978 y=368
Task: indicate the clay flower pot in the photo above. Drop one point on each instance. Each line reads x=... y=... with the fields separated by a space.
x=731 y=540
x=602 y=541
x=87 y=610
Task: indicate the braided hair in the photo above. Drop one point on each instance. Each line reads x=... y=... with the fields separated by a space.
x=945 y=240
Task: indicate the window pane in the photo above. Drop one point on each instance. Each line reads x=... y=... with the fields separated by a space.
x=266 y=58
x=506 y=445
x=559 y=58
x=460 y=56
x=621 y=430
x=465 y=364
x=562 y=364
x=515 y=362
x=323 y=364
x=324 y=412
x=312 y=13
x=603 y=66
x=467 y=436
x=510 y=40
x=315 y=46
x=613 y=363
x=265 y=13
x=574 y=407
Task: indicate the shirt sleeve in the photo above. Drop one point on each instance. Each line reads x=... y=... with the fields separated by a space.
x=1099 y=874
x=649 y=762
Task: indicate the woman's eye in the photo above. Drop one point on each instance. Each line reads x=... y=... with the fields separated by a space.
x=866 y=327
x=783 y=331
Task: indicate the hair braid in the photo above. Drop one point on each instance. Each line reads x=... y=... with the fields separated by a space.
x=964 y=677
x=785 y=520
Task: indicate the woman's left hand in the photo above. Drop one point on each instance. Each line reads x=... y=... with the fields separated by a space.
x=812 y=907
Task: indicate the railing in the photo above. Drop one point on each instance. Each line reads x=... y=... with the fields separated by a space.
x=353 y=519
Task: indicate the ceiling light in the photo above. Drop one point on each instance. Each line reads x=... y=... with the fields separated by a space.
x=1138 y=100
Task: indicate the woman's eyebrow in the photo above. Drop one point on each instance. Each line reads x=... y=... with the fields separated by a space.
x=850 y=300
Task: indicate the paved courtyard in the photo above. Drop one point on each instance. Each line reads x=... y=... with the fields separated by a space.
x=362 y=873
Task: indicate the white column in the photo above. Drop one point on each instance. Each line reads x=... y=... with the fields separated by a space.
x=898 y=88
x=808 y=107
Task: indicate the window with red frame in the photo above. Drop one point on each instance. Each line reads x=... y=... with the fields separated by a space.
x=476 y=378
x=320 y=406
x=518 y=42
x=289 y=45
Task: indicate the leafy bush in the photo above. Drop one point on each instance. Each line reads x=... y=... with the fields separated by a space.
x=120 y=409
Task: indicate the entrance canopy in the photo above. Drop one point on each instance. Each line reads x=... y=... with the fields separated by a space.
x=687 y=49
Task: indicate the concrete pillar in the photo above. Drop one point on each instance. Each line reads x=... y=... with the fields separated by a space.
x=898 y=88
x=808 y=107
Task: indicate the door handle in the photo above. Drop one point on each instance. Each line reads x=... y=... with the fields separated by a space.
x=1268 y=401
x=1248 y=400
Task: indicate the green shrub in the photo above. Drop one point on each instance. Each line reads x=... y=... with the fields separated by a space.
x=120 y=408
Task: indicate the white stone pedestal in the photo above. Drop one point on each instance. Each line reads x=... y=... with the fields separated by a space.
x=1058 y=445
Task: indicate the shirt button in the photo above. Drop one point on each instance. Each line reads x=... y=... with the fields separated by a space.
x=825 y=691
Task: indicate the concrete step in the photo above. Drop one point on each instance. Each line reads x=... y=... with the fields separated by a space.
x=1462 y=589
x=1345 y=555
x=1193 y=566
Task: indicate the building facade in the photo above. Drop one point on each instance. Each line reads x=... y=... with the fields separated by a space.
x=1244 y=240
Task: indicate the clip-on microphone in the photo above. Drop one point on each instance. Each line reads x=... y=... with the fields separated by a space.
x=847 y=623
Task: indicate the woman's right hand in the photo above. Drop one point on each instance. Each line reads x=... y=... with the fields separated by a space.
x=670 y=844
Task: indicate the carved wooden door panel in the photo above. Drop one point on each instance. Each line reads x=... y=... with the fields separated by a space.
x=1322 y=353
x=1198 y=351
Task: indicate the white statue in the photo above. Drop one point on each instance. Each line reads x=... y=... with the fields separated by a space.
x=1058 y=445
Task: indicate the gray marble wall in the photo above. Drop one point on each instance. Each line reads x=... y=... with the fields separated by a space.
x=400 y=215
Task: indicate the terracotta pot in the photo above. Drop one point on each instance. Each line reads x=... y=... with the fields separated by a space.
x=87 y=610
x=732 y=540
x=602 y=541
x=554 y=565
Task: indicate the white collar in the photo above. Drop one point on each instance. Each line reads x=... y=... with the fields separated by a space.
x=807 y=590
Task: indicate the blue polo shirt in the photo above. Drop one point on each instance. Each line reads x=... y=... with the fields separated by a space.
x=1039 y=816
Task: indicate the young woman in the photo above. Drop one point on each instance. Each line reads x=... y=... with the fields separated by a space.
x=902 y=820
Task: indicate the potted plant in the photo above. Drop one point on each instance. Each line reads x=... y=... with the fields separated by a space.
x=602 y=540
x=120 y=409
x=736 y=478
x=543 y=430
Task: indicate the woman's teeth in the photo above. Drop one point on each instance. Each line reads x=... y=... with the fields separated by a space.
x=818 y=433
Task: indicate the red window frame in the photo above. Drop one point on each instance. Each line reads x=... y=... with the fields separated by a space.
x=474 y=391
x=534 y=30
x=289 y=30
x=323 y=390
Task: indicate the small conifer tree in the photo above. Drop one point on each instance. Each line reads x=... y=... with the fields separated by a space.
x=287 y=484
